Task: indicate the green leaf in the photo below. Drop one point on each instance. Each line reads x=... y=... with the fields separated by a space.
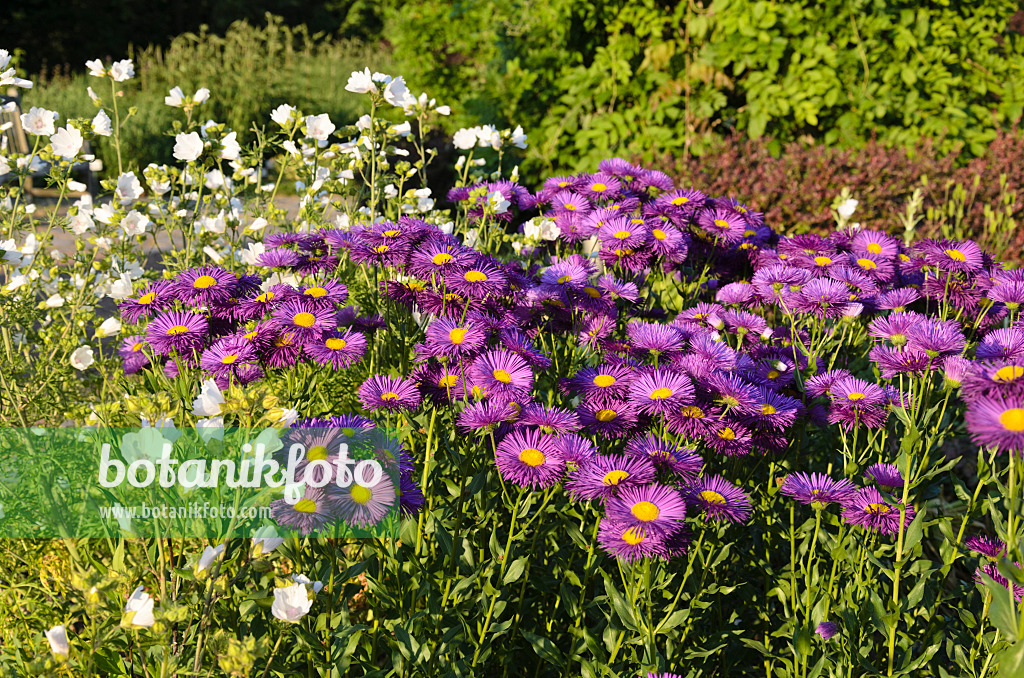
x=515 y=570
x=544 y=648
x=999 y=612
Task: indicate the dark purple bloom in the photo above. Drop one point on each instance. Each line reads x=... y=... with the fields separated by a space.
x=177 y=331
x=529 y=459
x=603 y=476
x=719 y=499
x=656 y=509
x=886 y=476
x=816 y=490
x=381 y=392
x=867 y=508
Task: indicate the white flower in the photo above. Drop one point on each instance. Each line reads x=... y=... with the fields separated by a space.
x=58 y=638
x=291 y=603
x=487 y=135
x=7 y=74
x=265 y=541
x=92 y=95
x=319 y=127
x=81 y=358
x=397 y=94
x=188 y=147
x=497 y=202
x=5 y=167
x=81 y=222
x=122 y=70
x=444 y=110
x=549 y=230
x=209 y=401
x=518 y=138
x=258 y=224
x=134 y=223
x=101 y=124
x=67 y=142
x=289 y=146
x=110 y=326
x=140 y=607
x=104 y=213
x=402 y=130
x=210 y=428
x=121 y=288
x=210 y=554
x=146 y=444
x=96 y=68
x=39 y=121
x=129 y=188
x=54 y=301
x=464 y=139
x=360 y=82
x=201 y=95
x=847 y=208
x=303 y=579
x=176 y=98
x=17 y=282
x=288 y=416
x=471 y=237
x=230 y=147
x=282 y=114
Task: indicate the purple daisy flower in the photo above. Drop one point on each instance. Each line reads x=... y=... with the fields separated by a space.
x=728 y=437
x=328 y=293
x=453 y=339
x=478 y=281
x=724 y=225
x=365 y=505
x=306 y=320
x=894 y=327
x=485 y=416
x=338 y=349
x=603 y=476
x=682 y=461
x=502 y=375
x=992 y=570
x=629 y=543
x=875 y=242
x=283 y=351
x=936 y=339
x=816 y=490
x=660 y=391
x=315 y=510
x=529 y=459
x=548 y=419
x=607 y=418
x=987 y=546
x=606 y=381
x=696 y=420
x=823 y=298
x=717 y=498
x=895 y=361
x=151 y=298
x=997 y=422
x=897 y=299
x=653 y=337
x=773 y=411
x=568 y=201
x=1002 y=344
x=868 y=509
x=205 y=285
x=600 y=186
x=886 y=476
x=656 y=509
x=258 y=305
x=132 y=353
x=180 y=331
x=963 y=257
x=575 y=449
x=226 y=355
x=381 y=392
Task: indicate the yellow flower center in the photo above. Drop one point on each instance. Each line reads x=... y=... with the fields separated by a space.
x=458 y=335
x=316 y=453
x=749 y=233
x=661 y=393
x=391 y=233
x=228 y=359
x=147 y=298
x=315 y=292
x=389 y=396
x=614 y=477
x=681 y=200
x=448 y=380
x=360 y=494
x=475 y=276
x=645 y=511
x=176 y=330
x=266 y=296
x=713 y=498
x=441 y=258
x=531 y=456
x=381 y=249
x=768 y=409
x=502 y=376
x=137 y=346
x=569 y=206
x=622 y=235
x=774 y=374
x=284 y=339
x=592 y=291
x=563 y=184
x=721 y=223
x=856 y=395
x=874 y=248
x=1012 y=419
x=606 y=415
x=1008 y=373
x=877 y=509
x=335 y=343
x=305 y=506
x=564 y=279
x=604 y=380
x=659 y=234
x=633 y=536
x=822 y=261
x=867 y=264
x=304 y=319
x=955 y=255
x=204 y=281
x=692 y=411
x=727 y=434
x=598 y=187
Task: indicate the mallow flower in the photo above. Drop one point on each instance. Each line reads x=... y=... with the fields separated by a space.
x=58 y=639
x=291 y=603
x=139 y=609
